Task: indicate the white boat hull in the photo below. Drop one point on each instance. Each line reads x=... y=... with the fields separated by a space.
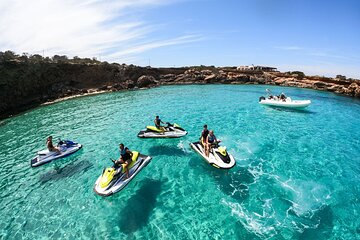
x=286 y=104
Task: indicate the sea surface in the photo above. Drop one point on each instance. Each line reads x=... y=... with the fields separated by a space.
x=297 y=174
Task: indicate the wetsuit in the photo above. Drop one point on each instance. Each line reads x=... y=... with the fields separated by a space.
x=204 y=135
x=125 y=155
x=157 y=123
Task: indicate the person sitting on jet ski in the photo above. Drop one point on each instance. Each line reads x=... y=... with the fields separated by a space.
x=210 y=142
x=157 y=122
x=125 y=157
x=204 y=134
x=50 y=145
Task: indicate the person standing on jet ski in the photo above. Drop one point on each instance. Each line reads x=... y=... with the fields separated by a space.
x=204 y=134
x=210 y=141
x=50 y=145
x=125 y=158
x=158 y=122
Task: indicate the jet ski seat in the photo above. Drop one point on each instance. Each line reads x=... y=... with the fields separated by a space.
x=133 y=161
x=43 y=152
x=153 y=128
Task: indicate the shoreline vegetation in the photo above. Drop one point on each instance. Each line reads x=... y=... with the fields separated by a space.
x=27 y=81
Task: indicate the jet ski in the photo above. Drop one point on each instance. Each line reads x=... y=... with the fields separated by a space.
x=66 y=148
x=218 y=156
x=113 y=179
x=171 y=131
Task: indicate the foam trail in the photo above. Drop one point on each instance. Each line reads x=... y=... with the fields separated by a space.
x=253 y=222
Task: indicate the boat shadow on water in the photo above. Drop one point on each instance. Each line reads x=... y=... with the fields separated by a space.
x=292 y=110
x=165 y=150
x=140 y=206
x=66 y=171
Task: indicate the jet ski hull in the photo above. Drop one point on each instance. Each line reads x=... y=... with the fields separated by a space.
x=214 y=158
x=46 y=156
x=119 y=182
x=171 y=131
x=166 y=134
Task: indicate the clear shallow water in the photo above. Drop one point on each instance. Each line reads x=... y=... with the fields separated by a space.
x=297 y=174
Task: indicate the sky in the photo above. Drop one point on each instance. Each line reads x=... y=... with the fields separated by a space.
x=319 y=37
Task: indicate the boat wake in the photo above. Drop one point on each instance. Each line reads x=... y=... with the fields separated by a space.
x=292 y=208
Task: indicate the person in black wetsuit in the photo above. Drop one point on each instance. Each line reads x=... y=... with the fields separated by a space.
x=210 y=141
x=125 y=158
x=204 y=135
x=158 y=122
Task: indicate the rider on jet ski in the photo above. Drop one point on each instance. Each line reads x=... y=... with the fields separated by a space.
x=125 y=157
x=204 y=134
x=210 y=141
x=50 y=145
x=157 y=122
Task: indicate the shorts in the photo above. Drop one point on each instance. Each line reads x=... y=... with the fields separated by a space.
x=127 y=158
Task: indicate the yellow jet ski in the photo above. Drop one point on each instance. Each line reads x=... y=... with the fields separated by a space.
x=113 y=179
x=169 y=131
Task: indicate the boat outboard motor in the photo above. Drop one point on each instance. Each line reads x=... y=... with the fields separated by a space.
x=261 y=98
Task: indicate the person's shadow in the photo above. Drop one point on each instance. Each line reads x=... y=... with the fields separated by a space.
x=139 y=207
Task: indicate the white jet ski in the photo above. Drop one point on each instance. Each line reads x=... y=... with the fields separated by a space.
x=66 y=148
x=113 y=179
x=218 y=156
x=171 y=131
x=283 y=101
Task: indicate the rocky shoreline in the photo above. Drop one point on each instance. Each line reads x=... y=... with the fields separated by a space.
x=24 y=85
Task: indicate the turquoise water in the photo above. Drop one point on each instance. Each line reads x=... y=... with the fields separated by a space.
x=297 y=174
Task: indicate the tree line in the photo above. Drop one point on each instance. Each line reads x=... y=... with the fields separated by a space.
x=10 y=56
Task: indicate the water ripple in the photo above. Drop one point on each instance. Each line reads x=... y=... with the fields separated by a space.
x=296 y=175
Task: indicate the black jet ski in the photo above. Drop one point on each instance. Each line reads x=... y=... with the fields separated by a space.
x=218 y=156
x=66 y=148
x=113 y=179
x=171 y=131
